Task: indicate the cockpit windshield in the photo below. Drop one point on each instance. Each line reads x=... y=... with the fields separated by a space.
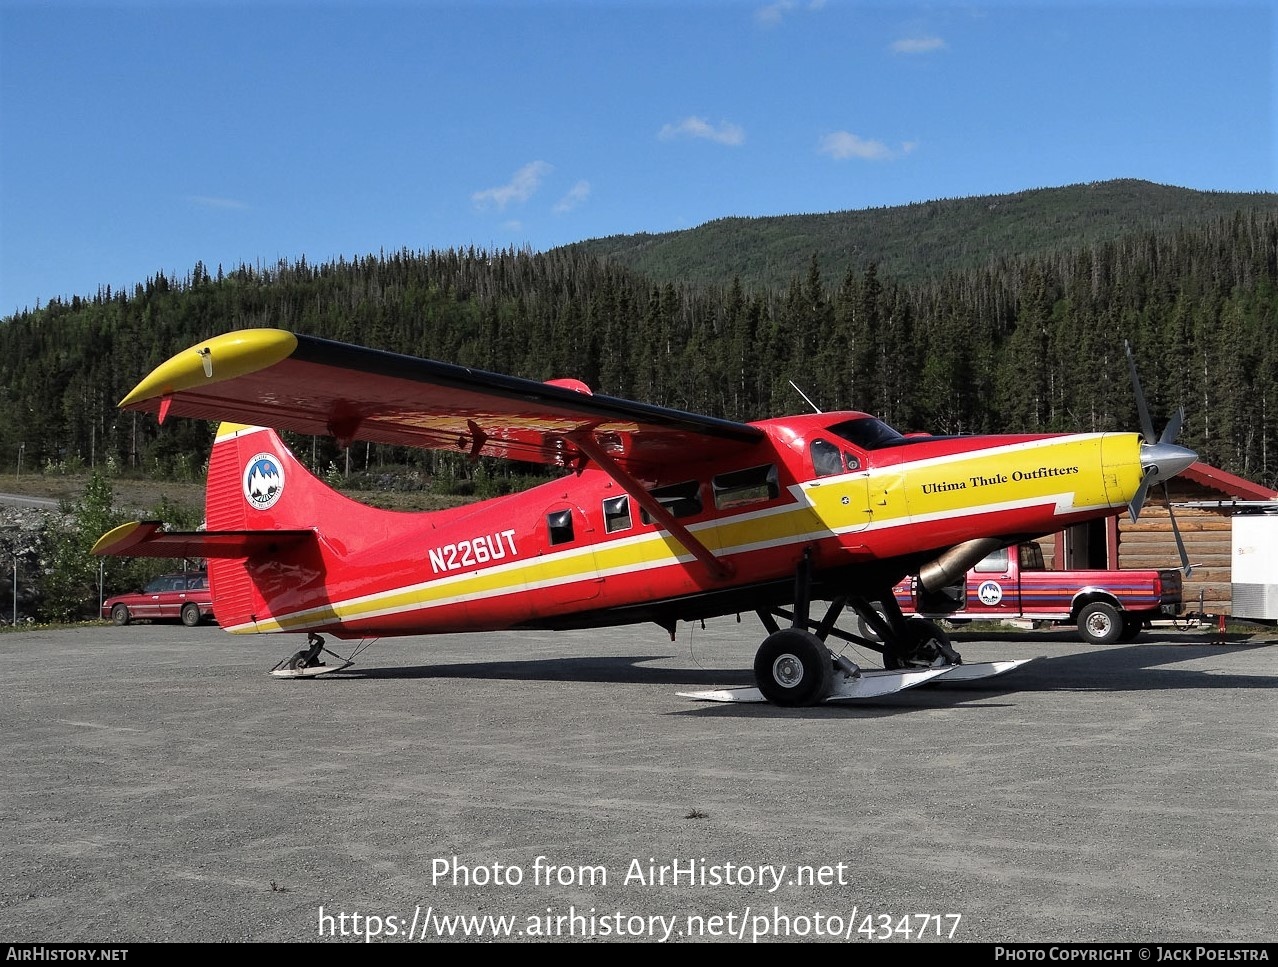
x=869 y=433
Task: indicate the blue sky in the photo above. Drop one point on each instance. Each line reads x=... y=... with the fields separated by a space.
x=142 y=137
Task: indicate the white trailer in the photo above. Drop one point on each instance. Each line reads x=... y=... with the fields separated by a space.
x=1254 y=562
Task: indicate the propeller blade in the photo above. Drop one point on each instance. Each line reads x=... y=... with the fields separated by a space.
x=1160 y=457
x=1185 y=566
x=1146 y=424
x=1138 y=501
x=1172 y=429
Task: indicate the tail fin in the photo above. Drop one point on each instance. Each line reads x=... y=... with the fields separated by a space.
x=250 y=471
x=257 y=487
x=230 y=529
x=263 y=510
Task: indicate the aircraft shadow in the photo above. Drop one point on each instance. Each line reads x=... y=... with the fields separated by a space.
x=629 y=669
x=1117 y=669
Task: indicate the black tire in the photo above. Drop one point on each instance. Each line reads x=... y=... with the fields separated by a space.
x=190 y=614
x=120 y=614
x=863 y=628
x=1100 y=623
x=793 y=668
x=1132 y=625
x=923 y=643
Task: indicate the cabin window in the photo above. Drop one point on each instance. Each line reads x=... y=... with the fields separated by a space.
x=559 y=523
x=681 y=499
x=741 y=487
x=995 y=563
x=616 y=513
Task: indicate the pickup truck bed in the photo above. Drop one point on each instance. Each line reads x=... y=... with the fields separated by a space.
x=1106 y=605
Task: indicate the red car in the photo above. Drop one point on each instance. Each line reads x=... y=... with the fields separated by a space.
x=184 y=596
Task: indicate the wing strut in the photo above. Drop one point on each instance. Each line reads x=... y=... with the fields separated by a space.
x=587 y=444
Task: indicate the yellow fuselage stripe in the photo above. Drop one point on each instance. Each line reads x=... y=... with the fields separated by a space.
x=1067 y=472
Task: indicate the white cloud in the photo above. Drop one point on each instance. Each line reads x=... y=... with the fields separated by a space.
x=208 y=201
x=577 y=194
x=917 y=45
x=775 y=12
x=844 y=144
x=520 y=188
x=695 y=127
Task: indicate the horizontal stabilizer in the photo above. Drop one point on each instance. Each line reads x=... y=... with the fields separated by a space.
x=146 y=539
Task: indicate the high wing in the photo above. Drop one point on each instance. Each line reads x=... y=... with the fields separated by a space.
x=269 y=377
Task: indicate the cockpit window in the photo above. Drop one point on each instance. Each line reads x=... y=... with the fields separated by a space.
x=869 y=433
x=825 y=458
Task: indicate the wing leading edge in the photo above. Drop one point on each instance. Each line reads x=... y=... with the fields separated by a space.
x=269 y=377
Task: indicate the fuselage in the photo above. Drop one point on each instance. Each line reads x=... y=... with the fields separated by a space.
x=863 y=502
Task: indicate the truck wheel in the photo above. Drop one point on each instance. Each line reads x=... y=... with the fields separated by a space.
x=863 y=628
x=1132 y=625
x=1100 y=623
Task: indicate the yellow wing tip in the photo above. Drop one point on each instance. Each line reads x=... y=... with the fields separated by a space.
x=115 y=537
x=221 y=358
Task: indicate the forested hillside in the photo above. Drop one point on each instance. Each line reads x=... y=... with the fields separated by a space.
x=1020 y=343
x=915 y=242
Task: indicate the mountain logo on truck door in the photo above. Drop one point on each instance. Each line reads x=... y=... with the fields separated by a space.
x=990 y=593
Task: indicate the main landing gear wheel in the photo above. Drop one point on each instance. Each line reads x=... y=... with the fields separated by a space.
x=307 y=657
x=306 y=663
x=793 y=667
x=922 y=645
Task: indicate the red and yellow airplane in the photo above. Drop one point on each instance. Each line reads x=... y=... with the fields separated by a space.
x=663 y=516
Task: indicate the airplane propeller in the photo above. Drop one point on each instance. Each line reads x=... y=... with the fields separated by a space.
x=1161 y=458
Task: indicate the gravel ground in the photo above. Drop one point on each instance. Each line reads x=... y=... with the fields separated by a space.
x=159 y=785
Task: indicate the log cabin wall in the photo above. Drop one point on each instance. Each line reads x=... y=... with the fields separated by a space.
x=1207 y=533
x=1149 y=543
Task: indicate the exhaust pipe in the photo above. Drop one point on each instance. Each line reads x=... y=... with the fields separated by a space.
x=955 y=562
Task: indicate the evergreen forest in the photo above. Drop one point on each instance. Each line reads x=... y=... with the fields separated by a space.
x=1026 y=340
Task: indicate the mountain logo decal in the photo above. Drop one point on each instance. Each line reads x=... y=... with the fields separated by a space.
x=263 y=481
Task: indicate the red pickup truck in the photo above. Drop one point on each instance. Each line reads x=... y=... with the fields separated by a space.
x=1107 y=606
